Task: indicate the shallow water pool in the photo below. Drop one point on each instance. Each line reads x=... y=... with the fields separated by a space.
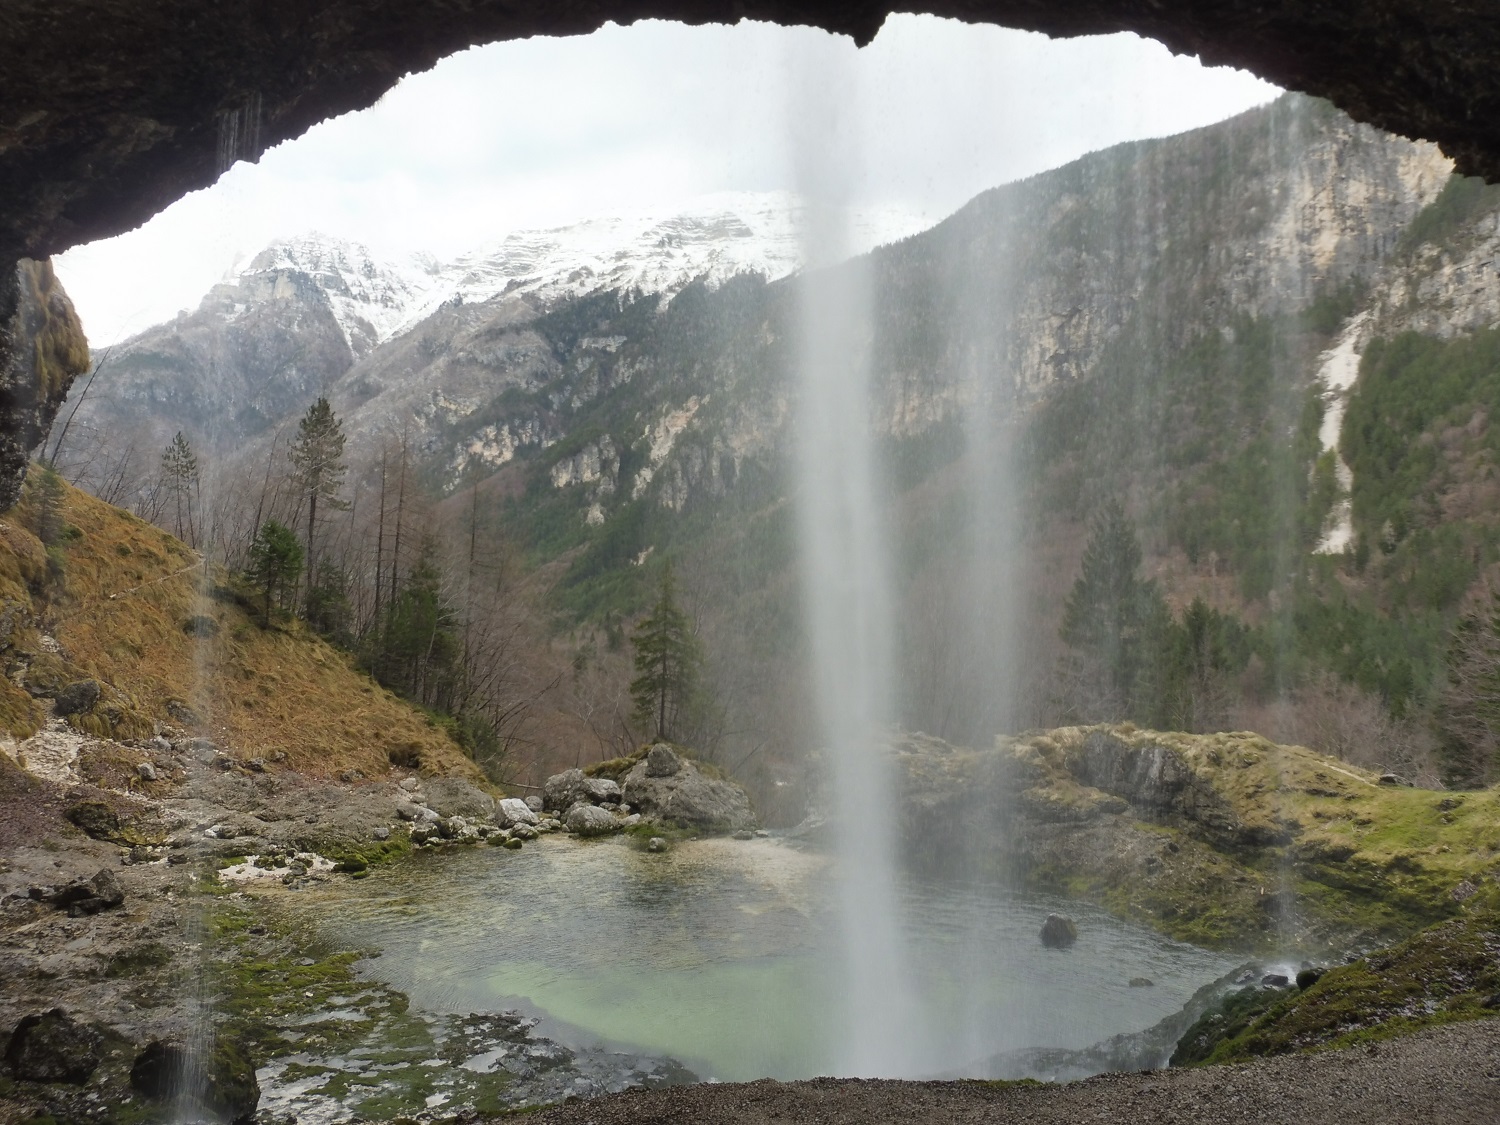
x=720 y=954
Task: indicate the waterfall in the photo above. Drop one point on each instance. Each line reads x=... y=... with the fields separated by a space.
x=846 y=584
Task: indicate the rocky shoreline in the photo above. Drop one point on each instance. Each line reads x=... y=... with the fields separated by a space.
x=145 y=948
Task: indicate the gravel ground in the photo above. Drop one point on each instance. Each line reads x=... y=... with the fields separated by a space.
x=1443 y=1076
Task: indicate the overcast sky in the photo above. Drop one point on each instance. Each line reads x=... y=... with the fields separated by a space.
x=543 y=132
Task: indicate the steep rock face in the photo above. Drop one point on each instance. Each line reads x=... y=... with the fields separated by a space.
x=42 y=350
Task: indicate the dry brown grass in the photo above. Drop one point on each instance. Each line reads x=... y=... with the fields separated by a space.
x=130 y=588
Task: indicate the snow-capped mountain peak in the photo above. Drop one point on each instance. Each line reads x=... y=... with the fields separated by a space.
x=716 y=237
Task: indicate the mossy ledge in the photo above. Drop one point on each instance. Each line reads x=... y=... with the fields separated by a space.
x=1225 y=840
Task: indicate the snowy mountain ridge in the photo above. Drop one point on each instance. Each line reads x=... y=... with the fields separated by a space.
x=716 y=237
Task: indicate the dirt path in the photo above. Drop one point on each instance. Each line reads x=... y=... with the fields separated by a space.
x=1443 y=1076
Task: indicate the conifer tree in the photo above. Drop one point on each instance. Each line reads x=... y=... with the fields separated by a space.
x=317 y=456
x=1111 y=612
x=668 y=665
x=179 y=468
x=275 y=563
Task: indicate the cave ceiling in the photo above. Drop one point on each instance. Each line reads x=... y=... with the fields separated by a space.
x=112 y=109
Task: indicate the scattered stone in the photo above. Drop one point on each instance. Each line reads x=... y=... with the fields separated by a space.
x=423 y=833
x=78 y=697
x=159 y=744
x=410 y=784
x=744 y=834
x=512 y=811
x=256 y=765
x=1275 y=980
x=406 y=810
x=146 y=771
x=1059 y=932
x=1142 y=982
x=524 y=832
x=662 y=761
x=590 y=820
x=349 y=777
x=53 y=1047
x=656 y=844
x=381 y=833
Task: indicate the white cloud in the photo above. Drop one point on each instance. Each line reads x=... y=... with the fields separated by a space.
x=547 y=131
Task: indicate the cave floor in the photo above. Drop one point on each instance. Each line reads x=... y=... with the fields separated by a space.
x=1449 y=1074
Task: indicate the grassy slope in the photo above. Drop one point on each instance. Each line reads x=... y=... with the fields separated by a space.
x=128 y=589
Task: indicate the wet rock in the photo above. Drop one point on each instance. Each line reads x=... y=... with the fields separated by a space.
x=1275 y=980
x=223 y=1084
x=524 y=832
x=89 y=896
x=1308 y=977
x=1142 y=982
x=450 y=796
x=98 y=819
x=563 y=790
x=512 y=811
x=53 y=1047
x=512 y=844
x=1059 y=931
x=662 y=761
x=146 y=771
x=78 y=697
x=687 y=797
x=590 y=820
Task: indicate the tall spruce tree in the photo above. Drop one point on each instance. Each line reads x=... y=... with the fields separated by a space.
x=668 y=666
x=317 y=456
x=179 y=467
x=1111 y=614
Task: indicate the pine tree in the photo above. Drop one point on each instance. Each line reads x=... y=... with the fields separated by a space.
x=179 y=468
x=275 y=563
x=1111 y=614
x=317 y=456
x=668 y=666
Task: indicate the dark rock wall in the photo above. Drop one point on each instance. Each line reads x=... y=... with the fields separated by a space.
x=42 y=350
x=112 y=109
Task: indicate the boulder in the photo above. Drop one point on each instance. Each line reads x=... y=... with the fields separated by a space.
x=662 y=761
x=53 y=1047
x=147 y=771
x=78 y=697
x=686 y=796
x=89 y=896
x=563 y=790
x=409 y=784
x=656 y=844
x=590 y=820
x=450 y=796
x=512 y=811
x=225 y=1082
x=536 y=804
x=601 y=790
x=406 y=810
x=1059 y=932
